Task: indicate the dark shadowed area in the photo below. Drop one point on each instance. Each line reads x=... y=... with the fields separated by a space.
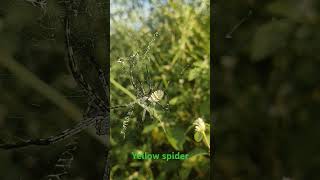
x=267 y=95
x=38 y=95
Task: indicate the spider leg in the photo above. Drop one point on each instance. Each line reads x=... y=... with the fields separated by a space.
x=163 y=107
x=141 y=88
x=106 y=173
x=122 y=106
x=138 y=90
x=125 y=122
x=77 y=75
x=149 y=81
x=52 y=139
x=143 y=115
x=102 y=76
x=90 y=108
x=102 y=126
x=133 y=82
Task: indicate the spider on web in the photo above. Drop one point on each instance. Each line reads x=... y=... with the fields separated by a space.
x=145 y=99
x=97 y=111
x=150 y=99
x=148 y=94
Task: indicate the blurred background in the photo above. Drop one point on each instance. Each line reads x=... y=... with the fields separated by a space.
x=266 y=89
x=38 y=95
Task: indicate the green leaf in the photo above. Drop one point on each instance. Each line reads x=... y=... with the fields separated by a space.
x=149 y=128
x=184 y=172
x=193 y=74
x=198 y=152
x=176 y=137
x=269 y=38
x=198 y=136
x=188 y=164
x=208 y=138
x=286 y=8
x=173 y=101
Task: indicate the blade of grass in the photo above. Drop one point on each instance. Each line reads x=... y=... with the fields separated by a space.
x=45 y=90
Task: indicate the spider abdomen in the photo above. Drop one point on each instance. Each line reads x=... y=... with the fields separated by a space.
x=156 y=96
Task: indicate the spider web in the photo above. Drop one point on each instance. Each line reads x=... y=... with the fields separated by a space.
x=138 y=70
x=41 y=41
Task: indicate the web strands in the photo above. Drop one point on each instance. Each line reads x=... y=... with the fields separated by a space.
x=82 y=28
x=82 y=54
x=64 y=162
x=96 y=105
x=38 y=3
x=81 y=47
x=137 y=66
x=52 y=139
x=139 y=56
x=88 y=23
x=99 y=107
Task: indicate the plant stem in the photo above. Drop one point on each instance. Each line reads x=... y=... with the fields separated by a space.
x=44 y=89
x=206 y=140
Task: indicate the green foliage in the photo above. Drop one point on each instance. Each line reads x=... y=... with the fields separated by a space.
x=267 y=90
x=198 y=136
x=178 y=61
x=270 y=38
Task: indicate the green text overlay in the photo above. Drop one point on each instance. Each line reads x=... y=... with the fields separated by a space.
x=164 y=156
